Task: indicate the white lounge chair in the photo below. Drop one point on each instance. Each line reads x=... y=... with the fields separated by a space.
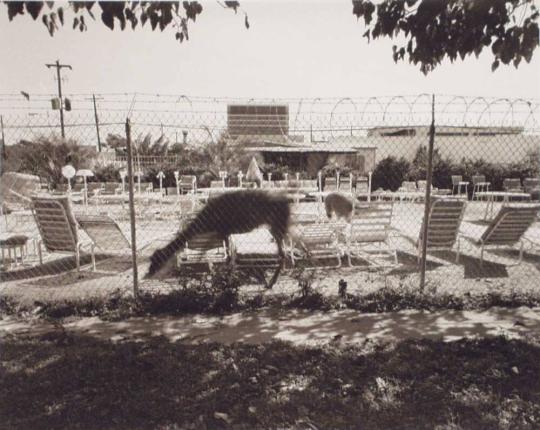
x=508 y=227
x=58 y=228
x=368 y=235
x=444 y=219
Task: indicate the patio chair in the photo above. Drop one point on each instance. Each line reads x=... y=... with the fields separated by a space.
x=445 y=216
x=330 y=184
x=479 y=185
x=345 y=183
x=457 y=184
x=216 y=184
x=187 y=184
x=308 y=186
x=206 y=248
x=368 y=236
x=512 y=185
x=532 y=186
x=508 y=228
x=315 y=242
x=408 y=190
x=58 y=228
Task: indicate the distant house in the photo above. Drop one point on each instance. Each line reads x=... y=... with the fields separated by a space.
x=493 y=144
x=264 y=129
x=312 y=157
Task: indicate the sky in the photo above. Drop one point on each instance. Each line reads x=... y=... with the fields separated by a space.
x=292 y=49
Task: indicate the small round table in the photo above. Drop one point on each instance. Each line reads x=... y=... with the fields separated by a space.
x=13 y=243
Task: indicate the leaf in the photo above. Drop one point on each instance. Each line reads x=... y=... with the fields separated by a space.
x=494 y=65
x=33 y=8
x=367 y=34
x=246 y=22
x=14 y=9
x=75 y=22
x=233 y=5
x=60 y=12
x=108 y=19
x=154 y=20
x=368 y=12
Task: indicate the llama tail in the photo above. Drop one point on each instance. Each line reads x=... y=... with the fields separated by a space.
x=162 y=256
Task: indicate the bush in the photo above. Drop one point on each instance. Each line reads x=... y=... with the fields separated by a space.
x=389 y=173
x=105 y=173
x=443 y=168
x=45 y=157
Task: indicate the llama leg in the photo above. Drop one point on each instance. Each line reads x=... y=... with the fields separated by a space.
x=279 y=240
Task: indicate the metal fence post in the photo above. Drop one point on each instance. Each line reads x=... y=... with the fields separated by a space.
x=3 y=150
x=427 y=197
x=132 y=211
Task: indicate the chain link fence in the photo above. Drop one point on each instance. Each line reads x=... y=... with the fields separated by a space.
x=329 y=193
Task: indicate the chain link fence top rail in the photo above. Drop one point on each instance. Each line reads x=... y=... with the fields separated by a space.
x=190 y=151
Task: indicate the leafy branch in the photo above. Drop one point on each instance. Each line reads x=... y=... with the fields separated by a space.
x=437 y=29
x=113 y=14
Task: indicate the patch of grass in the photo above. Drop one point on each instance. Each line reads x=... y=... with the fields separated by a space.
x=215 y=295
x=65 y=382
x=219 y=292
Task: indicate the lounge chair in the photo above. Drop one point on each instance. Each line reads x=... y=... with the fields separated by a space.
x=256 y=249
x=304 y=217
x=104 y=232
x=58 y=228
x=314 y=242
x=444 y=219
x=508 y=228
x=207 y=248
x=368 y=235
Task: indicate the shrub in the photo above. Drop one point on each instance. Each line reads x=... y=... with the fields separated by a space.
x=389 y=173
x=45 y=157
x=105 y=173
x=442 y=168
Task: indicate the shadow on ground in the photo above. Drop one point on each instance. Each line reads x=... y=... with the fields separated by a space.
x=63 y=265
x=67 y=381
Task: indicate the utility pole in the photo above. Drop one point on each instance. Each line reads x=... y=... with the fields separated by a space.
x=59 y=78
x=97 y=123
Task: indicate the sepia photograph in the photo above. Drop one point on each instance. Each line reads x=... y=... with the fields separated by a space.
x=270 y=214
